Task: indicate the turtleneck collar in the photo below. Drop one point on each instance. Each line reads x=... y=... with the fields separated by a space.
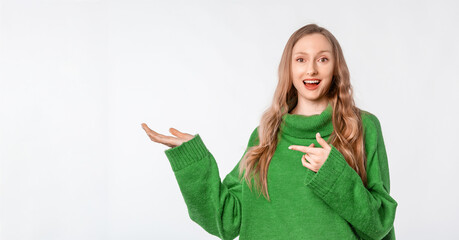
x=306 y=127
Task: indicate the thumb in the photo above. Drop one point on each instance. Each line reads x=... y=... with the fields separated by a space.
x=321 y=141
x=179 y=134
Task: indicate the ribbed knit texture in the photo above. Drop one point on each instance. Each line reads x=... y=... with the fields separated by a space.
x=330 y=204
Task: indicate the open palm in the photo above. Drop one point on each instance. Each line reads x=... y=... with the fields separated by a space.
x=170 y=141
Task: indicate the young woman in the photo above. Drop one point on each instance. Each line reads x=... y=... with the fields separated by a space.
x=319 y=161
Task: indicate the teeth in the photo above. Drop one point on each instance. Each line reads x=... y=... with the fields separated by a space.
x=313 y=81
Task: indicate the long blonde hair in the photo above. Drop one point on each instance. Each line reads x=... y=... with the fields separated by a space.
x=347 y=136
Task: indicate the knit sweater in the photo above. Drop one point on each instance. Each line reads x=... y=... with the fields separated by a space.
x=332 y=203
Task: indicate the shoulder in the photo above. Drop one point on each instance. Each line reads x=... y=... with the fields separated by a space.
x=371 y=124
x=369 y=119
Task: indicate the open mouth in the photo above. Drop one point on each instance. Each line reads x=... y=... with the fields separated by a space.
x=311 y=84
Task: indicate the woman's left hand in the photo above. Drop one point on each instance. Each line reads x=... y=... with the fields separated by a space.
x=315 y=156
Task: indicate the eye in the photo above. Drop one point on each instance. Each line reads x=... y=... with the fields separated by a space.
x=323 y=58
x=299 y=59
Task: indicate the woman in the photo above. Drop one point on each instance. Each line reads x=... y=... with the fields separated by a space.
x=328 y=173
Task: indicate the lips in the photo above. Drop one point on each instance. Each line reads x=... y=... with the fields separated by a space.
x=311 y=84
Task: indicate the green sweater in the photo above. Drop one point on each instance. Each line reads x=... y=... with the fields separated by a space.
x=330 y=204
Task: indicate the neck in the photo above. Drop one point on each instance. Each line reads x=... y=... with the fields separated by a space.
x=309 y=108
x=306 y=127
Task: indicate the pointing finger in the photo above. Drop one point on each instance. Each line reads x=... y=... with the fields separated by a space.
x=304 y=149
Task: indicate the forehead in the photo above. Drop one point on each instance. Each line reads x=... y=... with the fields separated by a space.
x=312 y=44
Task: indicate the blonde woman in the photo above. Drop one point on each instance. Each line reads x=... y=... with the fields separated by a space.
x=318 y=160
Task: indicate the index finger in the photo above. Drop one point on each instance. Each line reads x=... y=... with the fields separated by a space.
x=304 y=149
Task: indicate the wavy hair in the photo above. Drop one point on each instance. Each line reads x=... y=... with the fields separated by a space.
x=347 y=136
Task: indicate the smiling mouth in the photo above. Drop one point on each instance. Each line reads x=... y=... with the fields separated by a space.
x=311 y=84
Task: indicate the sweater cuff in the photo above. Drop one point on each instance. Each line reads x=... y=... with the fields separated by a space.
x=324 y=180
x=186 y=153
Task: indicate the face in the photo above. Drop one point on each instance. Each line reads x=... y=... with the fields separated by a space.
x=312 y=58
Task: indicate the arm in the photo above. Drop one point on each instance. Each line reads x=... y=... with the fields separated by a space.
x=371 y=210
x=214 y=205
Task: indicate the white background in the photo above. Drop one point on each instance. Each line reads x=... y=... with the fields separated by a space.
x=77 y=78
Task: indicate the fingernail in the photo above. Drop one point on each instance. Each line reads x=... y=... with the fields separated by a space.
x=318 y=133
x=289 y=147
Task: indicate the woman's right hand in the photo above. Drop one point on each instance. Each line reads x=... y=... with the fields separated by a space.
x=168 y=140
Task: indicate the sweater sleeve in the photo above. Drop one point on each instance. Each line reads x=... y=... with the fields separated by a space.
x=369 y=210
x=214 y=205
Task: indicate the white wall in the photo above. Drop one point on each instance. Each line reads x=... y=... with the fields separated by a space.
x=78 y=77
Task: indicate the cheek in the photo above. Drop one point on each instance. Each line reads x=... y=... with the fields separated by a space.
x=327 y=69
x=330 y=68
x=296 y=84
x=326 y=85
x=296 y=71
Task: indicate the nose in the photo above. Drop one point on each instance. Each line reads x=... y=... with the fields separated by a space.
x=311 y=68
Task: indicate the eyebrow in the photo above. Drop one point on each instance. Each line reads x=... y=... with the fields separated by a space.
x=304 y=53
